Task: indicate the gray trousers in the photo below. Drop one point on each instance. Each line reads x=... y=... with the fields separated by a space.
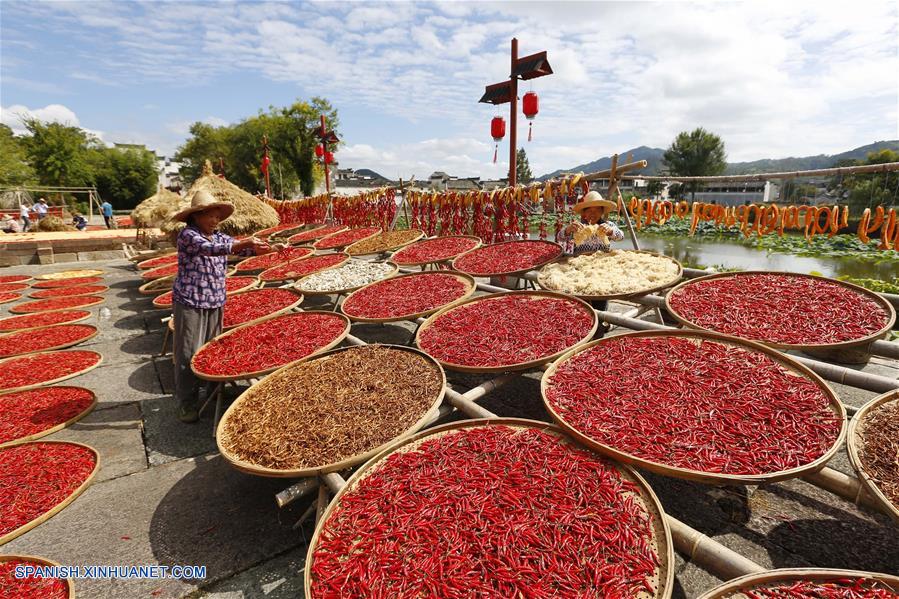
x=193 y=328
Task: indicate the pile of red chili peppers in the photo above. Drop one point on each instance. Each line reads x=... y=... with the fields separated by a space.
x=31 y=587
x=8 y=296
x=69 y=291
x=506 y=258
x=272 y=259
x=269 y=344
x=36 y=477
x=48 y=366
x=34 y=340
x=6 y=287
x=695 y=404
x=160 y=271
x=779 y=308
x=59 y=303
x=344 y=238
x=67 y=282
x=14 y=278
x=41 y=319
x=404 y=296
x=232 y=284
x=302 y=267
x=433 y=250
x=25 y=413
x=842 y=588
x=313 y=234
x=266 y=233
x=250 y=305
x=157 y=262
x=490 y=511
x=505 y=330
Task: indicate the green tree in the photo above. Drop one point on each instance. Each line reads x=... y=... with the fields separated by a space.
x=695 y=154
x=124 y=178
x=14 y=167
x=59 y=154
x=868 y=190
x=523 y=172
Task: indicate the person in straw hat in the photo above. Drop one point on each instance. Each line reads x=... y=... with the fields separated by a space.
x=594 y=233
x=198 y=293
x=9 y=225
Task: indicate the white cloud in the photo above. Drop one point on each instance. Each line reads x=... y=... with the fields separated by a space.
x=12 y=116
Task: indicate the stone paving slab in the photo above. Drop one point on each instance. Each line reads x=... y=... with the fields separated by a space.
x=278 y=578
x=117 y=384
x=167 y=438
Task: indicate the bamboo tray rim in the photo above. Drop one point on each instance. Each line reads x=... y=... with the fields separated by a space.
x=787 y=575
x=258 y=373
x=283 y=234
x=18 y=309
x=702 y=476
x=647 y=497
x=245 y=269
x=309 y=257
x=341 y=247
x=102 y=289
x=853 y=448
x=313 y=239
x=90 y=336
x=22 y=280
x=79 y=319
x=645 y=291
x=17 y=297
x=49 y=382
x=389 y=275
x=883 y=303
x=81 y=272
x=474 y=247
x=521 y=365
x=257 y=470
x=55 y=427
x=149 y=288
x=62 y=504
x=460 y=276
x=392 y=248
x=509 y=273
x=248 y=287
x=39 y=560
x=142 y=264
x=280 y=227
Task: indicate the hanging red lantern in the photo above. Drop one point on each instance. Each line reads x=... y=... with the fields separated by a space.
x=329 y=158
x=319 y=150
x=530 y=104
x=498 y=132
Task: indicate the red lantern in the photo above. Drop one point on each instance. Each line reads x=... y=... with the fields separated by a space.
x=530 y=104
x=329 y=158
x=319 y=150
x=498 y=132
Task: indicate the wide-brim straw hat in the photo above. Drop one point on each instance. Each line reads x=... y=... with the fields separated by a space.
x=203 y=200
x=594 y=200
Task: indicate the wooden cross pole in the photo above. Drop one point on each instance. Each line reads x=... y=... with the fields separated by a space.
x=614 y=176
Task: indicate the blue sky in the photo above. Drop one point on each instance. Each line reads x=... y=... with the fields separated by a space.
x=772 y=78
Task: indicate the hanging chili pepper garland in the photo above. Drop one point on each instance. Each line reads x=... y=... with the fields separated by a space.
x=67 y=282
x=44 y=367
x=273 y=258
x=232 y=285
x=490 y=511
x=30 y=587
x=250 y=305
x=779 y=308
x=36 y=477
x=719 y=408
x=312 y=235
x=433 y=250
x=345 y=238
x=157 y=262
x=26 y=413
x=507 y=258
x=269 y=344
x=14 y=278
x=6 y=287
x=505 y=329
x=60 y=303
x=838 y=588
x=296 y=269
x=69 y=291
x=405 y=295
x=41 y=319
x=35 y=340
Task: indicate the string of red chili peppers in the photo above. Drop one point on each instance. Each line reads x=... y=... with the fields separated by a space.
x=41 y=319
x=69 y=291
x=25 y=413
x=47 y=366
x=31 y=587
x=433 y=250
x=67 y=282
x=269 y=344
x=273 y=258
x=508 y=257
x=413 y=294
x=345 y=238
x=695 y=404
x=491 y=512
x=313 y=234
x=506 y=330
x=60 y=303
x=842 y=588
x=780 y=308
x=34 y=340
x=296 y=269
x=250 y=305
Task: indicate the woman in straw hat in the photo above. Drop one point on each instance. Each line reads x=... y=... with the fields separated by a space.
x=594 y=233
x=199 y=288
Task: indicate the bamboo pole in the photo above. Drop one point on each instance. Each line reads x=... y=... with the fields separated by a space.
x=321 y=504
x=334 y=481
x=623 y=168
x=847 y=487
x=296 y=491
x=708 y=553
x=843 y=170
x=466 y=406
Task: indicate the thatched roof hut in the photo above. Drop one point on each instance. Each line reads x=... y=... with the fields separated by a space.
x=250 y=214
x=158 y=208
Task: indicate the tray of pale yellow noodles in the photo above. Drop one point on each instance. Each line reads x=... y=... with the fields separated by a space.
x=610 y=275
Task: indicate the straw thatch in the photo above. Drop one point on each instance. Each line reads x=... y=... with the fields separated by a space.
x=158 y=208
x=54 y=223
x=250 y=214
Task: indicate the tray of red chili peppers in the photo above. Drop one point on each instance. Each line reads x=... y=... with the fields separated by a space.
x=45 y=368
x=14 y=278
x=314 y=234
x=158 y=261
x=297 y=269
x=9 y=296
x=233 y=285
x=493 y=508
x=344 y=238
x=407 y=297
x=7 y=287
x=438 y=249
x=32 y=587
x=29 y=415
x=57 y=303
x=42 y=319
x=29 y=341
x=808 y=583
x=248 y=306
x=507 y=258
x=38 y=479
x=504 y=332
x=77 y=281
x=696 y=405
x=159 y=272
x=265 y=261
x=782 y=310
x=72 y=291
x=871 y=445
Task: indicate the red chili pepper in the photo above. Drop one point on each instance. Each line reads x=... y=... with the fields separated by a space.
x=25 y=413
x=433 y=250
x=159 y=272
x=34 y=340
x=273 y=259
x=250 y=305
x=413 y=294
x=41 y=319
x=67 y=282
x=858 y=588
x=46 y=366
x=32 y=587
x=232 y=284
x=8 y=296
x=508 y=257
x=45 y=305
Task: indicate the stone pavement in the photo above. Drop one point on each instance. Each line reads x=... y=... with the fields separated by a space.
x=164 y=496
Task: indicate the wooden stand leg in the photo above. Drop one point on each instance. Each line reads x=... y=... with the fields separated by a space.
x=165 y=341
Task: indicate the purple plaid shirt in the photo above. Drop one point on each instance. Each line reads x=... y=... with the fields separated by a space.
x=202 y=265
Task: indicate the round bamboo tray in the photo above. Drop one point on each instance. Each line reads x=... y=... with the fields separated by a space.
x=510 y=273
x=699 y=475
x=96 y=300
x=307 y=239
x=509 y=367
x=49 y=382
x=326 y=239
x=12 y=296
x=62 y=504
x=37 y=330
x=645 y=291
x=13 y=287
x=854 y=440
x=448 y=259
x=282 y=236
x=265 y=273
x=246 y=265
x=349 y=249
x=466 y=279
x=735 y=587
x=156 y=286
x=71 y=274
x=56 y=427
x=42 y=561
x=145 y=264
x=15 y=278
x=298 y=284
x=87 y=314
x=36 y=294
x=279 y=312
x=280 y=228
x=159 y=272
x=661 y=542
x=248 y=287
x=243 y=376
x=883 y=303
x=250 y=468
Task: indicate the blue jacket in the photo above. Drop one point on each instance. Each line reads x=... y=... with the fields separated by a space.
x=106 y=207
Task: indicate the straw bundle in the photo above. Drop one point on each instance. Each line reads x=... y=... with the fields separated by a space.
x=250 y=214
x=158 y=208
x=54 y=223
